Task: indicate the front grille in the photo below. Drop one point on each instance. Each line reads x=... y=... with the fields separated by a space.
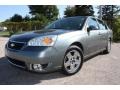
x=15 y=45
x=17 y=62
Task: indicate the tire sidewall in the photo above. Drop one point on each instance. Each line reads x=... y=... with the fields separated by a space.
x=81 y=54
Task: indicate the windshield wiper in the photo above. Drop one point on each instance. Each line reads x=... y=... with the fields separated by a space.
x=56 y=28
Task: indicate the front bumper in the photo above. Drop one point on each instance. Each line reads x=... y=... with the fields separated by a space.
x=48 y=56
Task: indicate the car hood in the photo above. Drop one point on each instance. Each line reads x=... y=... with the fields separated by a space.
x=25 y=37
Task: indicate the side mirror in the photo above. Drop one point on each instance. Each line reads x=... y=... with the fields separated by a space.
x=91 y=28
x=88 y=29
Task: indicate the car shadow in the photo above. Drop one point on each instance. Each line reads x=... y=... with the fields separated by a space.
x=10 y=75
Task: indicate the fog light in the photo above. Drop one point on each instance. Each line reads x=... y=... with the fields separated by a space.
x=37 y=67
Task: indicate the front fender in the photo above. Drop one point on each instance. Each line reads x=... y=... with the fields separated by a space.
x=65 y=40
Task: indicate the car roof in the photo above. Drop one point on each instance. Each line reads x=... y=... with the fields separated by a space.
x=84 y=16
x=76 y=16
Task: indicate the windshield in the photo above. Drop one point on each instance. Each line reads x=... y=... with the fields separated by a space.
x=70 y=23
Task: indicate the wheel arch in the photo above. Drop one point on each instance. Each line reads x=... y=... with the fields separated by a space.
x=75 y=45
x=79 y=45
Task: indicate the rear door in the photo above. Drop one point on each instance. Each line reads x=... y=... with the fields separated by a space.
x=103 y=34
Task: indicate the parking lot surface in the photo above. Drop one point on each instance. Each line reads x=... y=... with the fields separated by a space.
x=100 y=69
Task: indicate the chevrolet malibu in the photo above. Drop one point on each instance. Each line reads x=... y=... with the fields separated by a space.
x=63 y=44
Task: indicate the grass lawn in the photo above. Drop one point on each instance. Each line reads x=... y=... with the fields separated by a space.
x=4 y=33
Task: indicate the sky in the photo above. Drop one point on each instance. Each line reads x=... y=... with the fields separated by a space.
x=7 y=11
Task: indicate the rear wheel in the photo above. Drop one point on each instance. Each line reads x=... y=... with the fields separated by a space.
x=73 y=60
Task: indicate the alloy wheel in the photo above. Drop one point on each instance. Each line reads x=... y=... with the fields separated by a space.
x=72 y=61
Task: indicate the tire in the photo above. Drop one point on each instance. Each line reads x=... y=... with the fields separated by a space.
x=73 y=60
x=108 y=48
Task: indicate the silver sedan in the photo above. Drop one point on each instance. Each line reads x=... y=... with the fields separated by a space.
x=64 y=44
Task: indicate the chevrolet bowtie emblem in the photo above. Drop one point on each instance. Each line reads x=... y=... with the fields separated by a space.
x=12 y=44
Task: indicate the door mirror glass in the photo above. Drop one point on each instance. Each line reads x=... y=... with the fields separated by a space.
x=92 y=24
x=91 y=28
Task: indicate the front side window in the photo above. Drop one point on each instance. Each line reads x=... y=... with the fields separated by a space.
x=92 y=24
x=71 y=23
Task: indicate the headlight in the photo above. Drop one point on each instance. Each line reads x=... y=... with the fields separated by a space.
x=43 y=41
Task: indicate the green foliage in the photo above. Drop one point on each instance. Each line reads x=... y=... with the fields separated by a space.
x=16 y=18
x=41 y=15
x=70 y=11
x=26 y=18
x=41 y=18
x=79 y=10
x=49 y=11
x=4 y=34
x=11 y=26
x=109 y=13
x=15 y=27
x=84 y=10
x=116 y=30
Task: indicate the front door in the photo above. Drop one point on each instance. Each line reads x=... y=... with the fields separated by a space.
x=92 y=37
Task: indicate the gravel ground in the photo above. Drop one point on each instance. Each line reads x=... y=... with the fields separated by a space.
x=100 y=69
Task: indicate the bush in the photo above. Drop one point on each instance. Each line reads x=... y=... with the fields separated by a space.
x=15 y=27
x=116 y=30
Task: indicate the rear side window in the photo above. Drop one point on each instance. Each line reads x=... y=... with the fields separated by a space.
x=93 y=23
x=102 y=26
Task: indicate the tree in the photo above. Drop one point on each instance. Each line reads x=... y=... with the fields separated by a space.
x=79 y=10
x=84 y=10
x=70 y=11
x=16 y=18
x=109 y=13
x=49 y=11
x=116 y=31
x=40 y=18
x=26 y=18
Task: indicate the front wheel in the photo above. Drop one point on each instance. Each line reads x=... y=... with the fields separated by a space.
x=73 y=60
